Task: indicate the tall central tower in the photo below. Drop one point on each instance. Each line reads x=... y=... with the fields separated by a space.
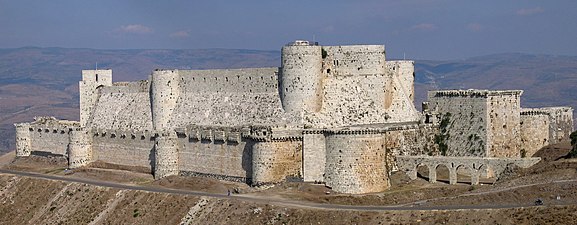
x=300 y=78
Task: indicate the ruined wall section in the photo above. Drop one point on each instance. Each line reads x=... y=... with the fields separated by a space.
x=234 y=97
x=356 y=162
x=217 y=152
x=504 y=124
x=123 y=106
x=46 y=135
x=128 y=147
x=534 y=131
x=544 y=126
x=92 y=81
x=561 y=123
x=463 y=122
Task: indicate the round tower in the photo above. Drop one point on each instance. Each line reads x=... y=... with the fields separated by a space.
x=166 y=155
x=355 y=163
x=79 y=148
x=300 y=77
x=164 y=92
x=23 y=141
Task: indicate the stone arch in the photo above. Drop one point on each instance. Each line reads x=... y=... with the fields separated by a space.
x=462 y=167
x=422 y=170
x=443 y=169
x=476 y=169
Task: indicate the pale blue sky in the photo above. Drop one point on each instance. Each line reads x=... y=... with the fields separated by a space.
x=423 y=29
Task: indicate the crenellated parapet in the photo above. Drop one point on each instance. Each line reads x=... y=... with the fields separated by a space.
x=124 y=134
x=473 y=93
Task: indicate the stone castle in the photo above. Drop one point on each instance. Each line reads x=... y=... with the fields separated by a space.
x=337 y=115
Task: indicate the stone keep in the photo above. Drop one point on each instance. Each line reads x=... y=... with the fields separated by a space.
x=336 y=115
x=492 y=123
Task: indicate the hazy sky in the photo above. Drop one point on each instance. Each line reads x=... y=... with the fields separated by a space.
x=423 y=29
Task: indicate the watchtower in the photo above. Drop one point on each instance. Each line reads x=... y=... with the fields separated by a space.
x=92 y=81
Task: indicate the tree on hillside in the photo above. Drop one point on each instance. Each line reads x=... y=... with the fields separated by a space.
x=573 y=152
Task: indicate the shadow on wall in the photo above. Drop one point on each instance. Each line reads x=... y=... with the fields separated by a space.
x=152 y=159
x=247 y=160
x=46 y=154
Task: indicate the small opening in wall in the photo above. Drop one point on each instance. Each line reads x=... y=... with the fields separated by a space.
x=328 y=70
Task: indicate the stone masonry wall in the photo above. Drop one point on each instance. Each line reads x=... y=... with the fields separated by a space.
x=46 y=139
x=351 y=100
x=504 y=124
x=534 y=131
x=23 y=141
x=300 y=79
x=80 y=148
x=400 y=103
x=275 y=161
x=356 y=163
x=359 y=87
x=478 y=122
x=418 y=139
x=124 y=106
x=132 y=148
x=165 y=90
x=561 y=123
x=92 y=81
x=314 y=157
x=463 y=122
x=228 y=97
x=210 y=152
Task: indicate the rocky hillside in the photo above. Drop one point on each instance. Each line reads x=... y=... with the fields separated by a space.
x=57 y=202
x=44 y=81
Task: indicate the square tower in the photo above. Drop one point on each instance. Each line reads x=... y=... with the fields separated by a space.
x=92 y=81
x=478 y=123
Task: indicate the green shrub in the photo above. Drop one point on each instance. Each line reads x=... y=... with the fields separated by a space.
x=573 y=152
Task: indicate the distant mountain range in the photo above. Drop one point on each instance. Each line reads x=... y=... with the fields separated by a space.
x=44 y=81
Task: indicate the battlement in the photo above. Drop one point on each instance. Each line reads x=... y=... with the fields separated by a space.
x=473 y=93
x=103 y=77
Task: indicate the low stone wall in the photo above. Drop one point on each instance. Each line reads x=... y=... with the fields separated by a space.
x=129 y=148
